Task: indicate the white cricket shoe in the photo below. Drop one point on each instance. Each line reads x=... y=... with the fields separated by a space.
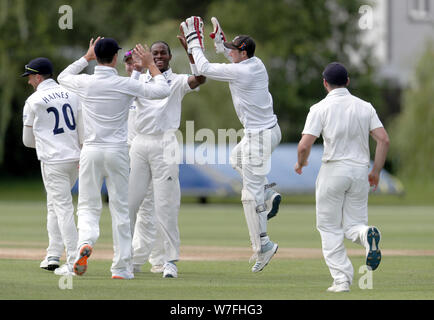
x=50 y=263
x=123 y=275
x=158 y=268
x=265 y=256
x=339 y=287
x=170 y=270
x=65 y=270
x=272 y=202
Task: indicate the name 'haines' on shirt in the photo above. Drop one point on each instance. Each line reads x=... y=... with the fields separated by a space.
x=54 y=96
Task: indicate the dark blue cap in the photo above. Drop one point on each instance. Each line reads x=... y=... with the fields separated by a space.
x=335 y=74
x=38 y=66
x=106 y=48
x=242 y=43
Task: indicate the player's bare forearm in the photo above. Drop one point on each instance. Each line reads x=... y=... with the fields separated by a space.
x=143 y=58
x=304 y=147
x=380 y=155
x=303 y=152
x=153 y=70
x=196 y=81
x=193 y=81
x=183 y=42
x=381 y=137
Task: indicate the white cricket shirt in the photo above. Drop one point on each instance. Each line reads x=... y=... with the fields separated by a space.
x=131 y=123
x=52 y=111
x=106 y=98
x=158 y=116
x=344 y=121
x=248 y=82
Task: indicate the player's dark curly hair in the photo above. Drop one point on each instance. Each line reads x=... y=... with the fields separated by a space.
x=162 y=42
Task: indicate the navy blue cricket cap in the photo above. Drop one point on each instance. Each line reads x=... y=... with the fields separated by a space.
x=242 y=43
x=38 y=66
x=106 y=48
x=335 y=74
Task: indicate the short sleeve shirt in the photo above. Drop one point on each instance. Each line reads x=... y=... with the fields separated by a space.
x=344 y=121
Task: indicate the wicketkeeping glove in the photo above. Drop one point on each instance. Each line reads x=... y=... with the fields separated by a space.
x=218 y=35
x=193 y=32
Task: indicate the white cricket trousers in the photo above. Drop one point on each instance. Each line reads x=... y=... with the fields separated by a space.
x=153 y=163
x=147 y=242
x=252 y=159
x=97 y=163
x=341 y=212
x=62 y=232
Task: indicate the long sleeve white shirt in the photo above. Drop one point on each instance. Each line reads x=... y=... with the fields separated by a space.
x=248 y=83
x=106 y=98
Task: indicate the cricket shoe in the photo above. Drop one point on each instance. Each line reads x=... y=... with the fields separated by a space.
x=170 y=270
x=264 y=257
x=80 y=265
x=272 y=201
x=50 y=263
x=65 y=270
x=339 y=287
x=158 y=268
x=123 y=275
x=373 y=254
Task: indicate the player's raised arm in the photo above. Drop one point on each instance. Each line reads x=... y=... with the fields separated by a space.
x=70 y=78
x=158 y=89
x=219 y=39
x=193 y=31
x=195 y=80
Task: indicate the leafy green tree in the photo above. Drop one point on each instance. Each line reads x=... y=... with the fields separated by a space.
x=411 y=143
x=295 y=39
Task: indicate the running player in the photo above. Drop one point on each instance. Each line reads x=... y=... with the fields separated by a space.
x=345 y=123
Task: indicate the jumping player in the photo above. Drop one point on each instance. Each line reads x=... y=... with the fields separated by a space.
x=248 y=83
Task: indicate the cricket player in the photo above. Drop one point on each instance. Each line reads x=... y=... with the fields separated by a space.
x=345 y=123
x=248 y=83
x=52 y=125
x=156 y=122
x=106 y=98
x=148 y=237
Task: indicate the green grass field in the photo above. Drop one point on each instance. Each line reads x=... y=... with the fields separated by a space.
x=22 y=225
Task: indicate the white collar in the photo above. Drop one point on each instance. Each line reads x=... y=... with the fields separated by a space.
x=251 y=59
x=105 y=69
x=167 y=74
x=338 y=92
x=46 y=84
